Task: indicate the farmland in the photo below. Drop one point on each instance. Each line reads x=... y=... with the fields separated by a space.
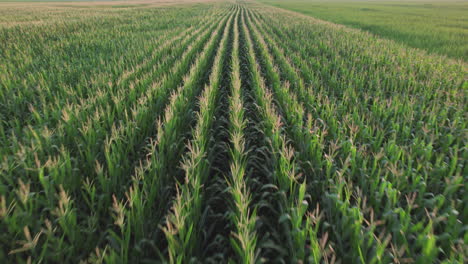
x=216 y=131
x=439 y=27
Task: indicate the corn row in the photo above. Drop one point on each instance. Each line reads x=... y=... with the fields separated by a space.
x=294 y=204
x=183 y=223
x=244 y=238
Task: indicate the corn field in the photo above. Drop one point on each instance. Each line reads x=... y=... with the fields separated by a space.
x=219 y=132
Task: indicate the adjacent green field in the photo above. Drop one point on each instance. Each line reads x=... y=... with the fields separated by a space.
x=209 y=132
x=437 y=26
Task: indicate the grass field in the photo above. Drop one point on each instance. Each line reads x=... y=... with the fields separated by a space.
x=187 y=132
x=436 y=26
